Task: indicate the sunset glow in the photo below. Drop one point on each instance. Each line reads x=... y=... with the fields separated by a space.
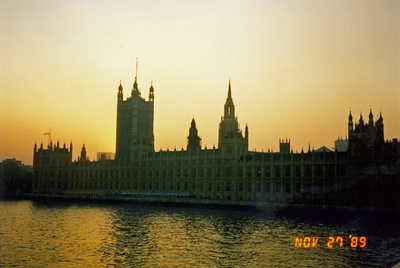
x=296 y=68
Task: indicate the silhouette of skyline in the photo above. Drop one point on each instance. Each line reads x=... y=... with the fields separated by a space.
x=296 y=69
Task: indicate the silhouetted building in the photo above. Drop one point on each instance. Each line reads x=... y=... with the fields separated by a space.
x=230 y=138
x=105 y=156
x=229 y=173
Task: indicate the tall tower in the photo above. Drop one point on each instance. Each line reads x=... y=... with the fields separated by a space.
x=193 y=138
x=350 y=126
x=135 y=124
x=230 y=138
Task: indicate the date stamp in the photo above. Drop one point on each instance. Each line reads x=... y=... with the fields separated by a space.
x=331 y=242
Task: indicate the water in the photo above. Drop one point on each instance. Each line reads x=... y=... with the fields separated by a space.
x=76 y=234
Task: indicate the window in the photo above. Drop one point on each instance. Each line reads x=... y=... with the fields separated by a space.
x=258 y=172
x=277 y=187
x=228 y=186
x=249 y=187
x=287 y=187
x=267 y=187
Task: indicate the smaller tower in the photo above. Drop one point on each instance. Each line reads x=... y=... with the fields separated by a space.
x=120 y=91
x=361 y=121
x=83 y=153
x=230 y=137
x=194 y=141
x=151 y=92
x=379 y=127
x=284 y=146
x=371 y=118
x=350 y=125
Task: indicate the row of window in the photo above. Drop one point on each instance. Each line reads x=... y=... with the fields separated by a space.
x=227 y=172
x=267 y=187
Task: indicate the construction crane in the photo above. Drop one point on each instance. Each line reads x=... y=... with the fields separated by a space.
x=49 y=133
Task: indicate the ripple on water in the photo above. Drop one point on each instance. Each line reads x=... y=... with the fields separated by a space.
x=72 y=234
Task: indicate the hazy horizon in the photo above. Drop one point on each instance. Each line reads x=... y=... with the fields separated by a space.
x=296 y=68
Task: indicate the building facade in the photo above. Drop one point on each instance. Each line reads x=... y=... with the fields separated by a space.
x=227 y=174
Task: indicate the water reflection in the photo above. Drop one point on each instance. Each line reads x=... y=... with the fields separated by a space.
x=70 y=234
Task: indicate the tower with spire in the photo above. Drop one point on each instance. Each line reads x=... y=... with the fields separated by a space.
x=135 y=123
x=194 y=141
x=230 y=139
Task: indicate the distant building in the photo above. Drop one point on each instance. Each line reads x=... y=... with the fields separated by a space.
x=105 y=156
x=15 y=179
x=341 y=145
x=17 y=163
x=229 y=173
x=323 y=149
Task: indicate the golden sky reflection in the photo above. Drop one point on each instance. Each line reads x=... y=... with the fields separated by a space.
x=55 y=237
x=96 y=235
x=296 y=68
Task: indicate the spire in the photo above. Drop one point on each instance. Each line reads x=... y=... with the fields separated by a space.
x=380 y=119
x=371 y=117
x=229 y=109
x=135 y=84
x=361 y=121
x=229 y=91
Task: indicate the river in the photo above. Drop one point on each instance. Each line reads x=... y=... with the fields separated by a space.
x=85 y=234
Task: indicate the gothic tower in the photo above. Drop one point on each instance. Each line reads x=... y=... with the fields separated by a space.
x=193 y=138
x=230 y=138
x=135 y=124
x=366 y=144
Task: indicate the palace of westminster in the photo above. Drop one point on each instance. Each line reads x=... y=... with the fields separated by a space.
x=227 y=174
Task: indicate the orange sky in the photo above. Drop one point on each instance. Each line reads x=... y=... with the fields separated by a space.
x=296 y=67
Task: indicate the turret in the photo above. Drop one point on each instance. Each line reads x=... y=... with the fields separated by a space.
x=361 y=121
x=83 y=153
x=151 y=92
x=350 y=125
x=120 y=91
x=379 y=127
x=371 y=118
